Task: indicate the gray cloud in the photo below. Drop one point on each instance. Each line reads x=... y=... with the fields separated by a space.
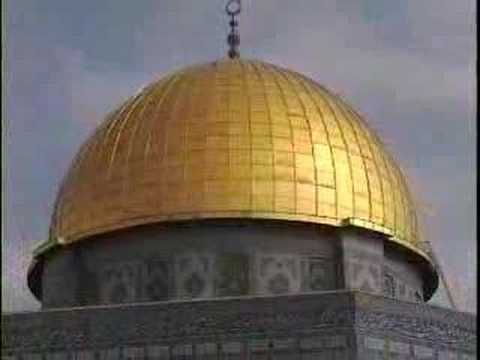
x=408 y=66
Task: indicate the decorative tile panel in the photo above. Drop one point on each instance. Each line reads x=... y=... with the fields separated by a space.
x=156 y=280
x=389 y=285
x=317 y=274
x=278 y=274
x=194 y=275
x=363 y=275
x=119 y=282
x=232 y=275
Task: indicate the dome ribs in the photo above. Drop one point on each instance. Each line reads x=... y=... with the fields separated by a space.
x=165 y=91
x=261 y=77
x=273 y=72
x=365 y=172
x=343 y=167
x=378 y=150
x=308 y=90
x=234 y=139
x=363 y=134
x=298 y=87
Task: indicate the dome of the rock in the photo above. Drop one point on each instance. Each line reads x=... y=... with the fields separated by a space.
x=236 y=140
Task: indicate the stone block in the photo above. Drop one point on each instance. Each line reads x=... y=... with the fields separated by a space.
x=232 y=277
x=206 y=349
x=133 y=353
x=109 y=354
x=311 y=343
x=258 y=346
x=396 y=347
x=194 y=275
x=32 y=356
x=157 y=352
x=278 y=273
x=316 y=324
x=182 y=351
x=373 y=343
x=280 y=345
x=467 y=357
x=57 y=356
x=423 y=352
x=232 y=348
x=156 y=279
x=84 y=355
x=447 y=355
x=317 y=274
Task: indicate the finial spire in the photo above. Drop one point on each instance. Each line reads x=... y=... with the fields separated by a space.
x=233 y=8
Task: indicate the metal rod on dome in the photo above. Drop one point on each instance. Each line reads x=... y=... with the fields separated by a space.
x=233 y=8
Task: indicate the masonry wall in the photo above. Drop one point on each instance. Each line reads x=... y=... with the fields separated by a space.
x=224 y=259
x=185 y=262
x=334 y=325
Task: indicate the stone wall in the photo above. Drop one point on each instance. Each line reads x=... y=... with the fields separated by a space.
x=222 y=259
x=391 y=329
x=372 y=265
x=186 y=262
x=404 y=280
x=333 y=325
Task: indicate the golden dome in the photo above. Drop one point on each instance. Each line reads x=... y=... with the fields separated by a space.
x=234 y=139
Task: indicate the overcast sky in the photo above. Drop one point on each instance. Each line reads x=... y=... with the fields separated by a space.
x=408 y=66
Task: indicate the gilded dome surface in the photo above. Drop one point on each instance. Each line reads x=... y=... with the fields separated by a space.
x=234 y=139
